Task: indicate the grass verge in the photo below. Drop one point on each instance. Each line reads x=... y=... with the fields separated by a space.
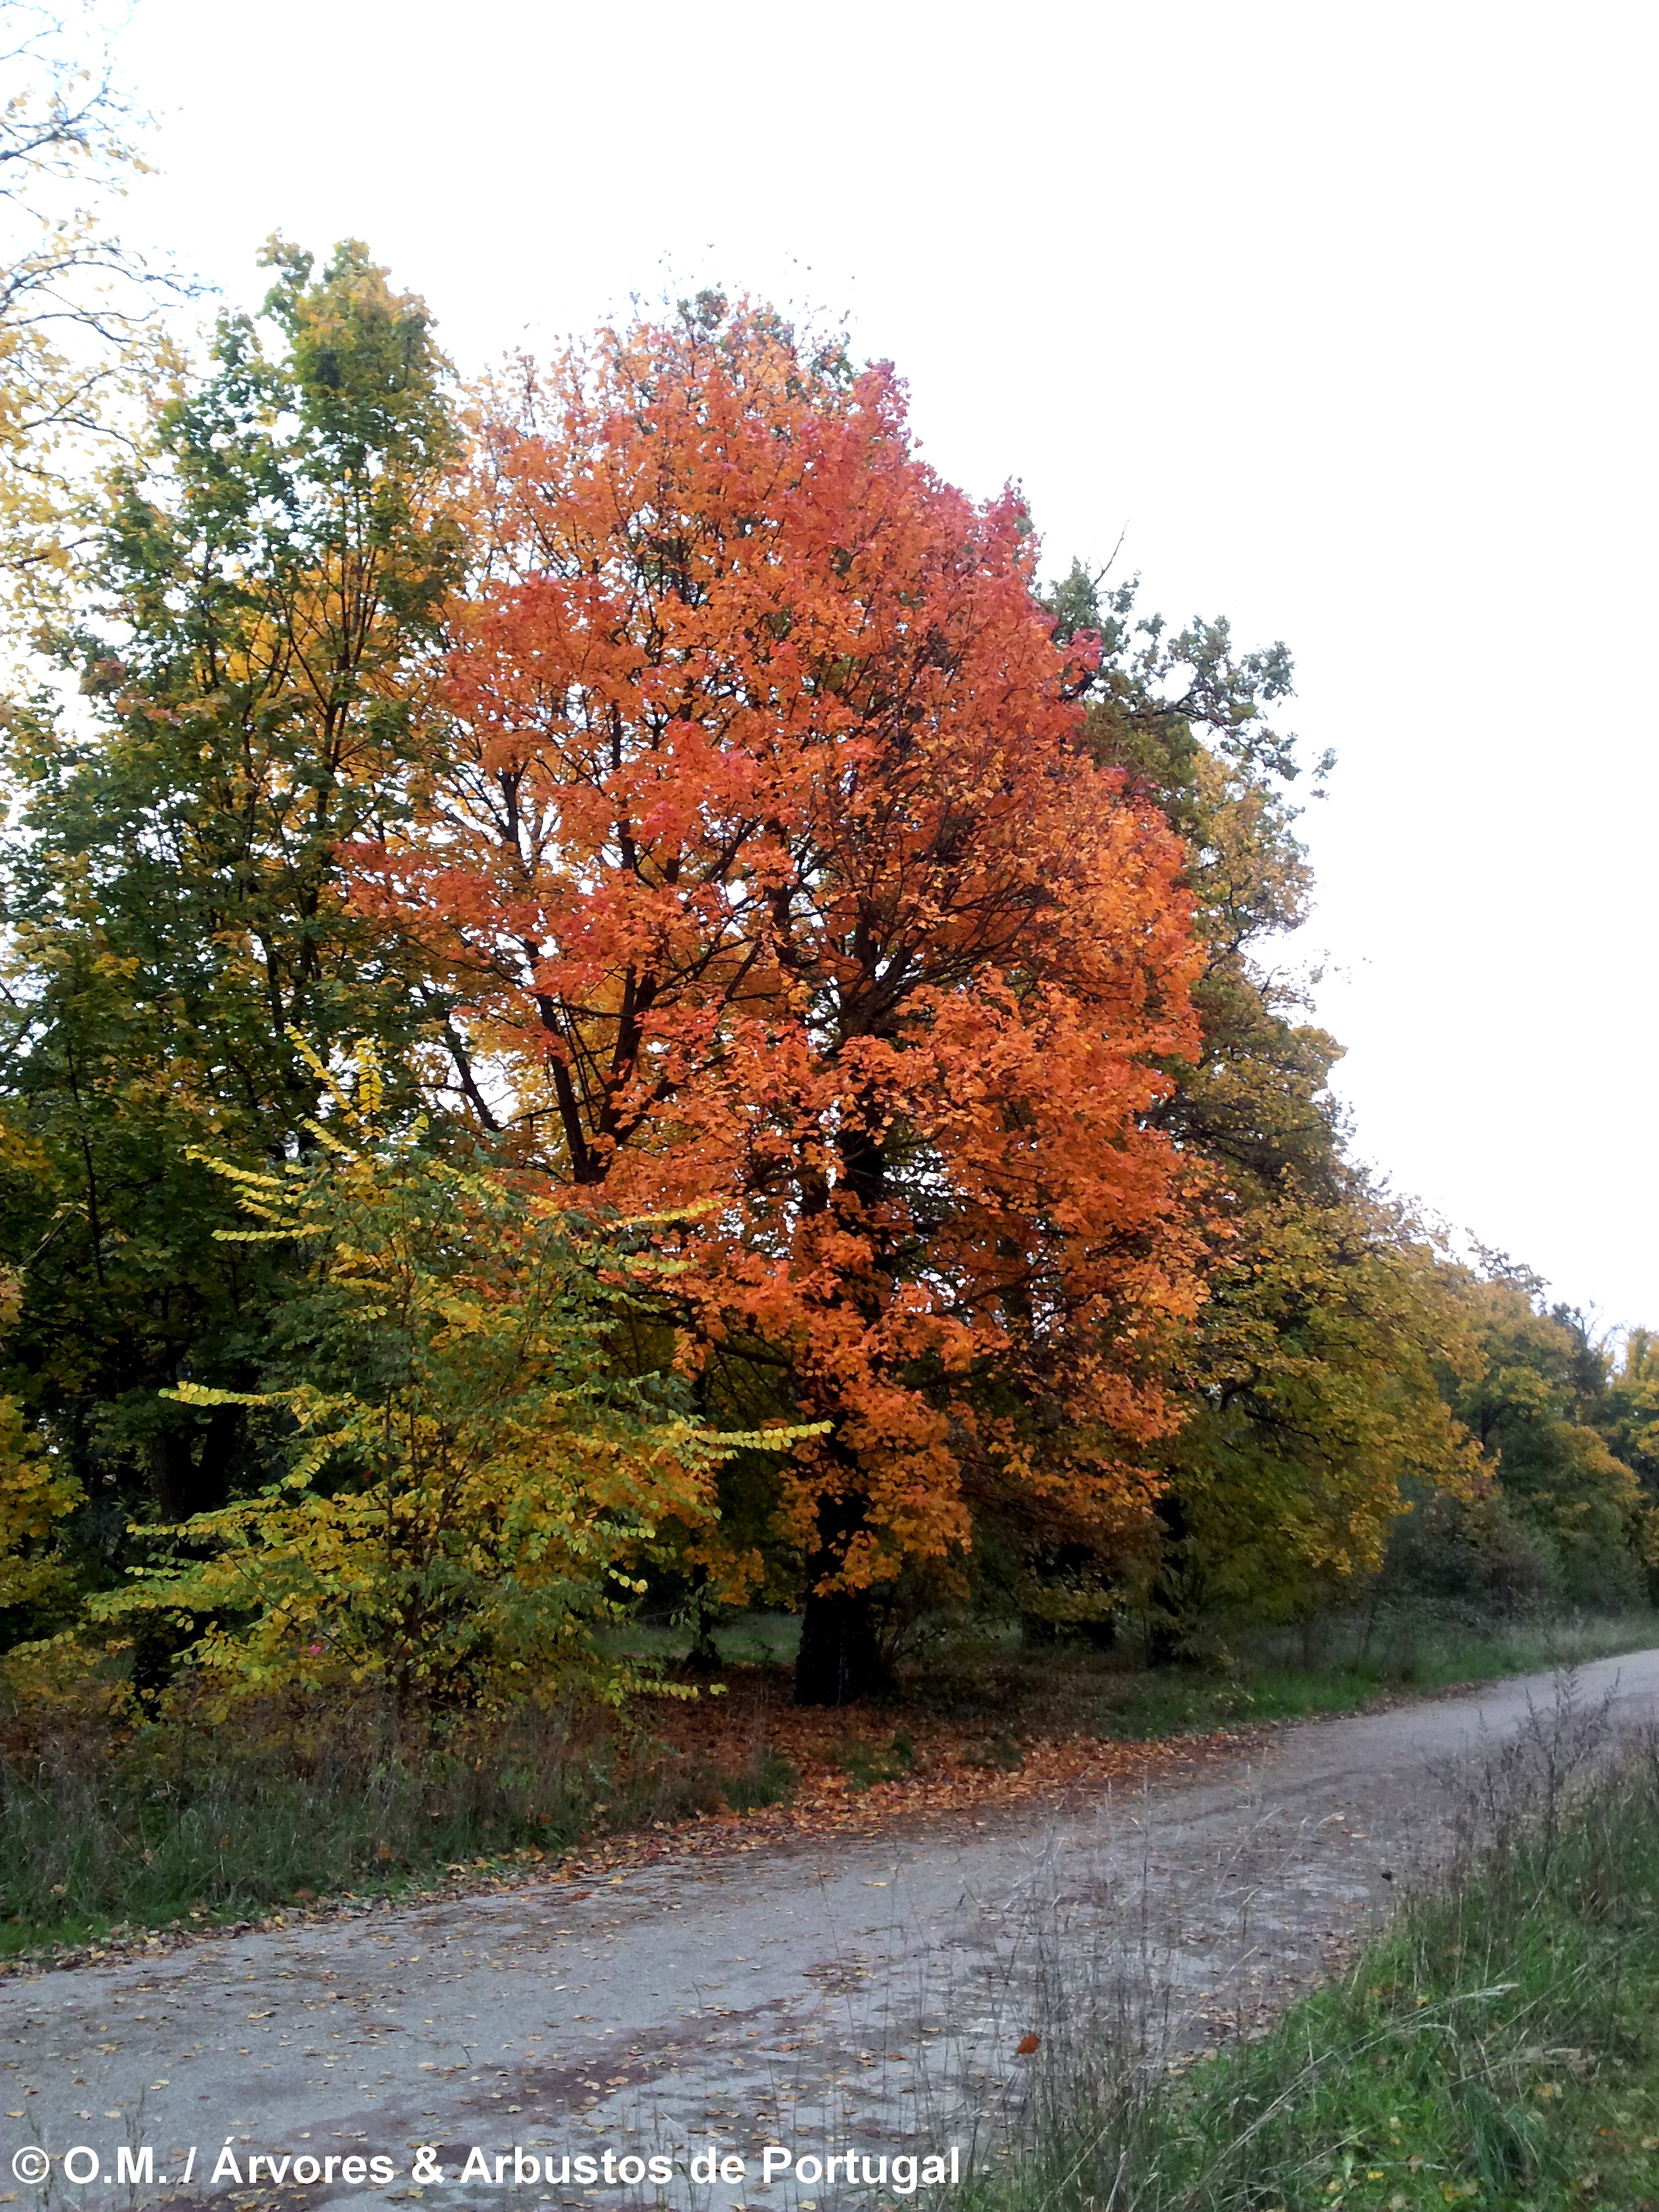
x=1411 y=1656
x=168 y=1826
x=1498 y=2048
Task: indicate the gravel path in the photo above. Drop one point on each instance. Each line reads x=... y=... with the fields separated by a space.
x=851 y=1996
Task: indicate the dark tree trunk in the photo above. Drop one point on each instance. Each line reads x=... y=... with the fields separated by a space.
x=840 y=1659
x=155 y=1648
x=190 y=1469
x=1166 y=1615
x=190 y=1466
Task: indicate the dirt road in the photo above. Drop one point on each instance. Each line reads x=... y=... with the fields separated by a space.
x=850 y=1997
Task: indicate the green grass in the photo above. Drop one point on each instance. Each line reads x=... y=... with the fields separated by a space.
x=1499 y=2048
x=1413 y=1658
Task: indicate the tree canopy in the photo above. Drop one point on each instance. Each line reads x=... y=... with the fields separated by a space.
x=826 y=1123
x=770 y=857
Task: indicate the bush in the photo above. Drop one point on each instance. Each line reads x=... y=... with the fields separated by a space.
x=1470 y=1552
x=472 y=1478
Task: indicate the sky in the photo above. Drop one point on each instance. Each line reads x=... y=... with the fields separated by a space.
x=1336 y=319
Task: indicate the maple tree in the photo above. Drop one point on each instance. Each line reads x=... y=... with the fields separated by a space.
x=768 y=860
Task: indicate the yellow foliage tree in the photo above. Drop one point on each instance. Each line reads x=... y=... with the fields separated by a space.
x=1549 y=1410
x=1316 y=1408
x=470 y=1482
x=35 y=1495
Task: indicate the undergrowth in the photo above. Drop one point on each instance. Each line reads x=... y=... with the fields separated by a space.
x=170 y=1824
x=164 y=1821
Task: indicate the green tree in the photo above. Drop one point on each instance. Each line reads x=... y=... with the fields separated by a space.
x=1630 y=1419
x=36 y=1497
x=1317 y=1412
x=256 y=676
x=1546 y=1417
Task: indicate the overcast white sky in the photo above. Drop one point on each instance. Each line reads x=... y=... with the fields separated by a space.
x=1341 y=314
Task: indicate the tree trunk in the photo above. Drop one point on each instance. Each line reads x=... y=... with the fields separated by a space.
x=155 y=1647
x=1167 y=1611
x=191 y=1463
x=840 y=1659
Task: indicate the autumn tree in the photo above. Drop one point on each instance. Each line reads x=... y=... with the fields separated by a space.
x=771 y=863
x=1310 y=1381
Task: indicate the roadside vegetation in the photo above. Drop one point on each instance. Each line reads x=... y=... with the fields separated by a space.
x=1497 y=2047
x=1421 y=1654
x=177 y=1828
x=158 y=1825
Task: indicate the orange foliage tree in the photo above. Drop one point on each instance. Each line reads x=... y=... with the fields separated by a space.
x=767 y=854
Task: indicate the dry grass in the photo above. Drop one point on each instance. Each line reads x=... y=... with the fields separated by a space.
x=1498 y=2046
